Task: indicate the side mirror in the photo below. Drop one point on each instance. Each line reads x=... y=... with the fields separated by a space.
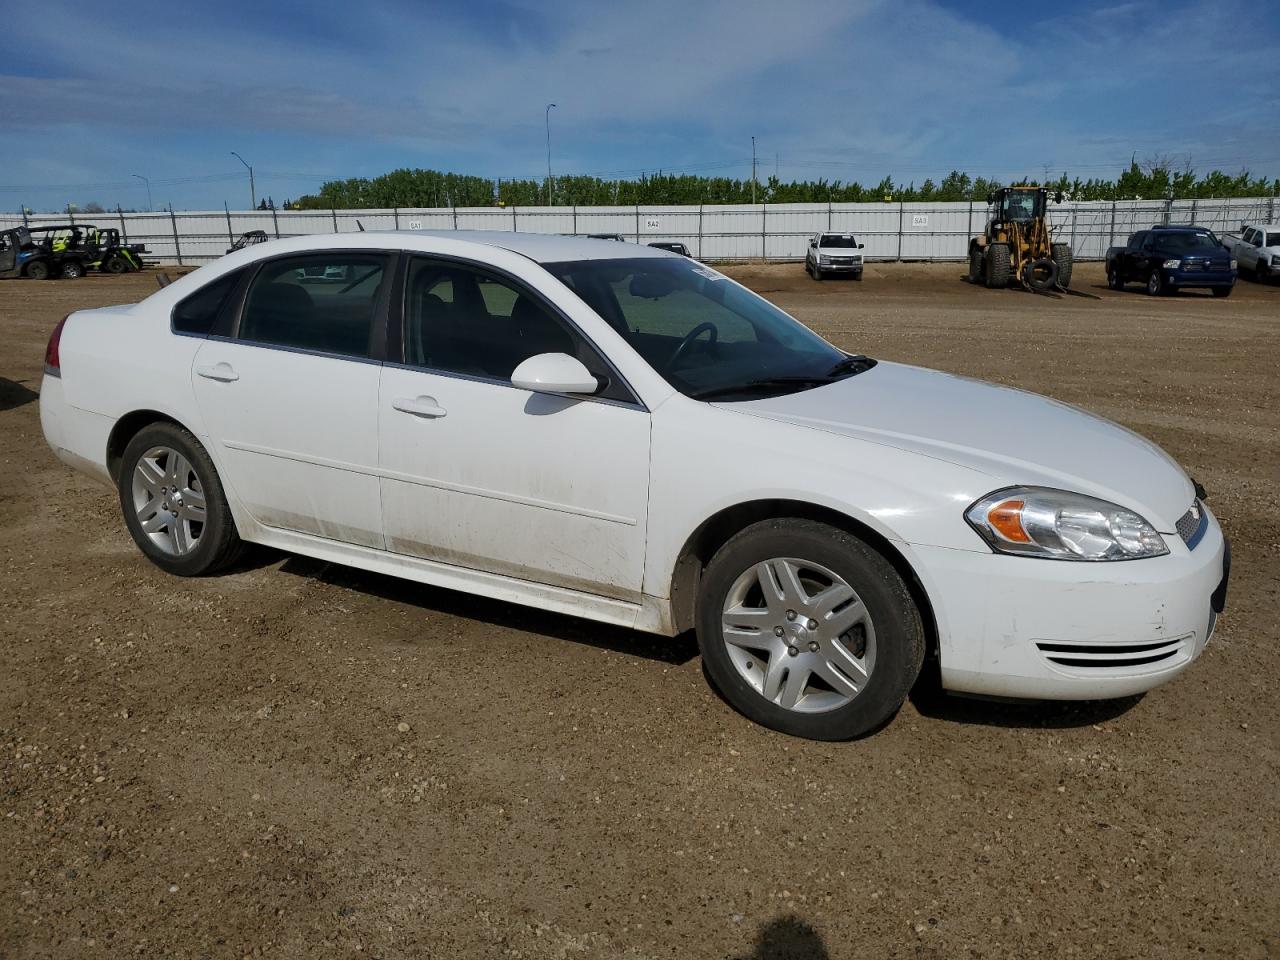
x=991 y=198
x=554 y=373
x=813 y=244
x=861 y=245
x=1058 y=197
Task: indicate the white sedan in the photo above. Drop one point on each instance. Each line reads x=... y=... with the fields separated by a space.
x=623 y=434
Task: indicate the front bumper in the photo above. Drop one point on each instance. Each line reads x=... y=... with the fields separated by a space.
x=840 y=267
x=1046 y=629
x=1185 y=279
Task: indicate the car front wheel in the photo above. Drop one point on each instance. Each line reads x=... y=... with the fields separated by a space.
x=1155 y=284
x=173 y=502
x=808 y=630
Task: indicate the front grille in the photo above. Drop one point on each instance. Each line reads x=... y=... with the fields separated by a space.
x=844 y=261
x=1114 y=656
x=1191 y=524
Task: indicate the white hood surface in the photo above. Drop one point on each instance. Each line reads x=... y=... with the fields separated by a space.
x=1014 y=436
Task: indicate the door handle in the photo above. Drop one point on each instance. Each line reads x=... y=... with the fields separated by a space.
x=419 y=407
x=221 y=372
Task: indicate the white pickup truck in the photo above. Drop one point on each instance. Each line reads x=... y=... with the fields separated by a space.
x=1257 y=249
x=833 y=253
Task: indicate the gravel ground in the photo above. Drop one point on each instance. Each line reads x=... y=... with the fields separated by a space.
x=299 y=760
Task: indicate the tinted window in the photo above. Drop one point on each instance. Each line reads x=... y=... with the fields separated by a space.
x=698 y=329
x=843 y=241
x=461 y=319
x=327 y=303
x=1273 y=240
x=197 y=313
x=1135 y=242
x=1187 y=242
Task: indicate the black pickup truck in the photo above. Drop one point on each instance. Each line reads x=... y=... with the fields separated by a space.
x=1168 y=259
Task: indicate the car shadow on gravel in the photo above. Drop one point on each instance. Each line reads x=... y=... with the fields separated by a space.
x=14 y=394
x=670 y=650
x=932 y=702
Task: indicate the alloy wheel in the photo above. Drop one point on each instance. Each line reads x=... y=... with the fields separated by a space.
x=169 y=500
x=799 y=635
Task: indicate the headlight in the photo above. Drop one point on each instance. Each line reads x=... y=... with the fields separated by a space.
x=1275 y=261
x=1058 y=525
x=1234 y=265
x=1172 y=264
x=826 y=260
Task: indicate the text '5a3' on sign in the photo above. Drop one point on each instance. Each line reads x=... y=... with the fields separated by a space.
x=651 y=223
x=919 y=219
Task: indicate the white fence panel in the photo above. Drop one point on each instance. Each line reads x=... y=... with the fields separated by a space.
x=889 y=231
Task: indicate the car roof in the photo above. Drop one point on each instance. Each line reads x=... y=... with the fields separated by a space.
x=1180 y=228
x=540 y=247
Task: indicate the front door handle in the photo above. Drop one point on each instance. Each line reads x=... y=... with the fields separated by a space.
x=419 y=407
x=222 y=372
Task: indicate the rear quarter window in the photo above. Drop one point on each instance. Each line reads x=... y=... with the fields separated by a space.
x=197 y=313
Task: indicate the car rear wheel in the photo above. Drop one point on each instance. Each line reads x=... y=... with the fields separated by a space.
x=1155 y=284
x=72 y=270
x=173 y=502
x=808 y=630
x=1113 y=279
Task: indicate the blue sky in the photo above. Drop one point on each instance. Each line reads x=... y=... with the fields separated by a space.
x=848 y=89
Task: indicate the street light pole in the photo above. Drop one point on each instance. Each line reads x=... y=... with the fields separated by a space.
x=148 y=183
x=753 y=169
x=253 y=193
x=548 y=119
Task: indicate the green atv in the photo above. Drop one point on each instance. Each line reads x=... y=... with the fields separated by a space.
x=112 y=256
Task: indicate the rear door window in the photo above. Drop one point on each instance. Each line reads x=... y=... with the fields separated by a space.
x=197 y=313
x=327 y=303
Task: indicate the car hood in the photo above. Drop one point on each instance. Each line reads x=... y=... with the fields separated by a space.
x=1013 y=436
x=840 y=251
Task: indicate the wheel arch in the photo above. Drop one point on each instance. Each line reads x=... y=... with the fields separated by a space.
x=126 y=428
x=714 y=532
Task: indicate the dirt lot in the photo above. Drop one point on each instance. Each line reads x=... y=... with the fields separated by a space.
x=298 y=760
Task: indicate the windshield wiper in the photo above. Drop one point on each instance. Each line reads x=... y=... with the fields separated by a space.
x=765 y=383
x=854 y=363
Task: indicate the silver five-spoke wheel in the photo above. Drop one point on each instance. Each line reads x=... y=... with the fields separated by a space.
x=168 y=500
x=799 y=635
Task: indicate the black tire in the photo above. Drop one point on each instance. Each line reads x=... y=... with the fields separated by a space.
x=897 y=626
x=38 y=270
x=1155 y=284
x=71 y=270
x=1261 y=272
x=1222 y=291
x=1041 y=274
x=115 y=264
x=997 y=266
x=858 y=276
x=1113 y=278
x=217 y=543
x=1065 y=259
x=975 y=264
x=816 y=273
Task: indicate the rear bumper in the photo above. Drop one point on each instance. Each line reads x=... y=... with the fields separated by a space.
x=1044 y=629
x=77 y=437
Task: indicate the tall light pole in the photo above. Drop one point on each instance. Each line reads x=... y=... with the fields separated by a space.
x=148 y=183
x=548 y=119
x=753 y=169
x=253 y=194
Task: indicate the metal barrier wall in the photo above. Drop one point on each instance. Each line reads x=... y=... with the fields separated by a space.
x=780 y=231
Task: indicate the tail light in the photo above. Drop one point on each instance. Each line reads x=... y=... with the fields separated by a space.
x=52 y=359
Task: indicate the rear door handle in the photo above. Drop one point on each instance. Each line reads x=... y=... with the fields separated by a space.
x=222 y=372
x=419 y=407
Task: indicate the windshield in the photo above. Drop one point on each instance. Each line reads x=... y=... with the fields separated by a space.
x=1187 y=243
x=702 y=332
x=838 y=240
x=1020 y=205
